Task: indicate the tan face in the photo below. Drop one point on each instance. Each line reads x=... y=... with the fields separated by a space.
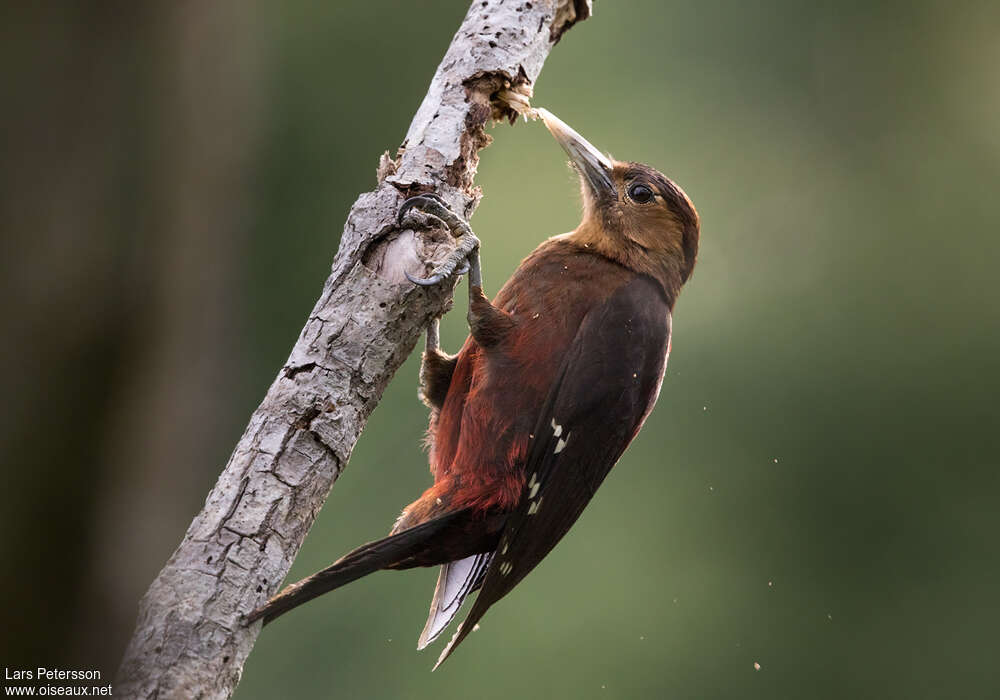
x=650 y=210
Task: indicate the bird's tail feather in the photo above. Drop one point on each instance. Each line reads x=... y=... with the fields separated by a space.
x=393 y=551
x=457 y=580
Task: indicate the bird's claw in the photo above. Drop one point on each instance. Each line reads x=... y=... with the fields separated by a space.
x=424 y=281
x=463 y=259
x=438 y=275
x=426 y=202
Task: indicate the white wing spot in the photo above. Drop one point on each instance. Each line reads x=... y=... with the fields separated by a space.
x=560 y=445
x=535 y=506
x=556 y=428
x=533 y=484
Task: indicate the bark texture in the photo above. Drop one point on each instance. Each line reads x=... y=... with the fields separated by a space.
x=189 y=640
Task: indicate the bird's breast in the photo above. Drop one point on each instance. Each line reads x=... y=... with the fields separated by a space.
x=485 y=425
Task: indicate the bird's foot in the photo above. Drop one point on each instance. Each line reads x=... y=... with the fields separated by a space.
x=464 y=258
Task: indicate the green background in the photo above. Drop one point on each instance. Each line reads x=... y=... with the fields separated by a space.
x=816 y=491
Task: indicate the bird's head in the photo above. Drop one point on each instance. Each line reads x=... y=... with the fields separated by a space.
x=632 y=213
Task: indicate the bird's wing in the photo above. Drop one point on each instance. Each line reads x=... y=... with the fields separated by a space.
x=608 y=382
x=455 y=582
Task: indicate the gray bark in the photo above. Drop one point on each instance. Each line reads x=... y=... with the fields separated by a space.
x=189 y=640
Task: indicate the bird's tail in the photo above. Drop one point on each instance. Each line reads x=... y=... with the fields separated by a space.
x=394 y=551
x=457 y=580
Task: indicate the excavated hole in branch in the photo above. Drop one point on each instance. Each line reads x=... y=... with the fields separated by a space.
x=416 y=249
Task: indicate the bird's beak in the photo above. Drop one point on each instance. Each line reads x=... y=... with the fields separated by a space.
x=594 y=165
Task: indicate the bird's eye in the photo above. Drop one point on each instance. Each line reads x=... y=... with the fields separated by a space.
x=641 y=194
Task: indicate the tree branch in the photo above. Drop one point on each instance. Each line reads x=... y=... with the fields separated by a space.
x=189 y=639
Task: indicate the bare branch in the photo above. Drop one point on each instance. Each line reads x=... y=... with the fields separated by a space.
x=189 y=640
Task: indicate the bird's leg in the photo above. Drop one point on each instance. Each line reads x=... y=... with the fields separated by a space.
x=488 y=324
x=433 y=342
x=436 y=369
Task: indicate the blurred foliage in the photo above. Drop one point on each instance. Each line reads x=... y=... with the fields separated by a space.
x=816 y=489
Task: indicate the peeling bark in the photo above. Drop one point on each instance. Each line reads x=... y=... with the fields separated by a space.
x=189 y=640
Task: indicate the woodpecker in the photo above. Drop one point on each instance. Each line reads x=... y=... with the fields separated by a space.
x=556 y=378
